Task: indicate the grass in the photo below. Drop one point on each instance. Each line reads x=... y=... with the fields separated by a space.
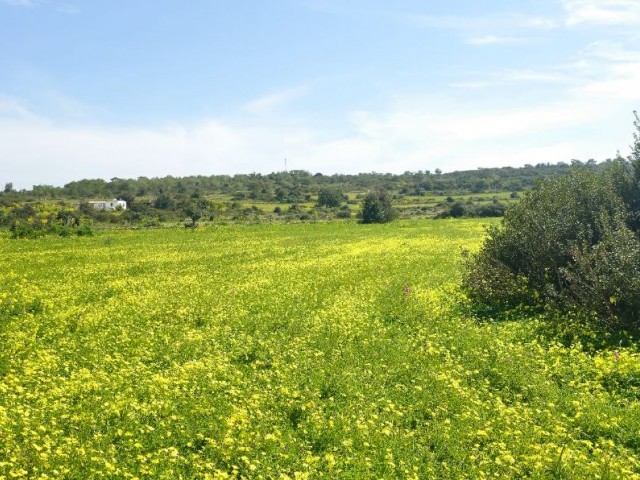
x=291 y=351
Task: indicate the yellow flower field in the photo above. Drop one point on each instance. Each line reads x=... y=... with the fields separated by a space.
x=291 y=351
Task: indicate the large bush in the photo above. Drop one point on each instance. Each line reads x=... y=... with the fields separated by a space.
x=570 y=244
x=377 y=208
x=332 y=198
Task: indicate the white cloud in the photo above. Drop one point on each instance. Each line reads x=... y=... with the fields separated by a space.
x=509 y=22
x=607 y=12
x=471 y=85
x=613 y=71
x=22 y=3
x=611 y=51
x=530 y=78
x=68 y=9
x=621 y=83
x=62 y=7
x=272 y=101
x=413 y=134
x=496 y=40
x=542 y=23
x=14 y=108
x=424 y=123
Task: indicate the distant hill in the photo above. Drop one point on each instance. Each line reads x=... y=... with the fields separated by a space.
x=294 y=186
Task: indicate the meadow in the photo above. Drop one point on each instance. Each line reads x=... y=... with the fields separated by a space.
x=331 y=350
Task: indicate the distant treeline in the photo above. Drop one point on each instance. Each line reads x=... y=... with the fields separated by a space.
x=298 y=185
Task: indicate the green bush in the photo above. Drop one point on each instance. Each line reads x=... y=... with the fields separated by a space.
x=605 y=277
x=344 y=213
x=571 y=245
x=458 y=209
x=330 y=197
x=377 y=208
x=20 y=229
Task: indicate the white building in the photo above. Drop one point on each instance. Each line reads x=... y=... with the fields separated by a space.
x=109 y=204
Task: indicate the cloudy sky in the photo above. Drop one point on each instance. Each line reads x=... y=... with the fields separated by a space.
x=106 y=88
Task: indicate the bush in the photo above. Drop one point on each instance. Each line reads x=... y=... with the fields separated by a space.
x=495 y=209
x=605 y=278
x=571 y=245
x=20 y=229
x=164 y=202
x=377 y=208
x=331 y=198
x=344 y=214
x=459 y=209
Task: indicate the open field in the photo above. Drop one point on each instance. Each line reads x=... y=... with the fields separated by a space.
x=291 y=351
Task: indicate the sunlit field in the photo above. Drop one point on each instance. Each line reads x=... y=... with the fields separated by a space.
x=330 y=350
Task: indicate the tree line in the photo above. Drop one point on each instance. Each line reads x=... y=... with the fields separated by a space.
x=298 y=186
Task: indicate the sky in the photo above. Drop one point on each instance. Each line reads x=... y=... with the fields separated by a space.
x=113 y=88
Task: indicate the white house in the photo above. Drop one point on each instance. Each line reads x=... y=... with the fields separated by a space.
x=109 y=204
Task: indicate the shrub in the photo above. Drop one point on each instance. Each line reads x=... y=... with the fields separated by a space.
x=377 y=208
x=495 y=209
x=457 y=210
x=344 y=214
x=605 y=278
x=571 y=244
x=20 y=229
x=164 y=202
x=84 y=231
x=329 y=197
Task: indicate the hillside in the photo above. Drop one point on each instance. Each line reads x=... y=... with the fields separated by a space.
x=282 y=196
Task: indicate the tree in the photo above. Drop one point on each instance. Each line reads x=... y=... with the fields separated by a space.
x=194 y=207
x=8 y=187
x=377 y=208
x=194 y=212
x=163 y=202
x=330 y=197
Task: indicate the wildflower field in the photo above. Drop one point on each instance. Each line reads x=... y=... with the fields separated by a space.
x=291 y=351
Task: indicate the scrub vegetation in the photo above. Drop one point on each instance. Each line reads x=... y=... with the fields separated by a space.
x=295 y=196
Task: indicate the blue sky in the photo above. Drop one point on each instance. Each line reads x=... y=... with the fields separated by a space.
x=99 y=89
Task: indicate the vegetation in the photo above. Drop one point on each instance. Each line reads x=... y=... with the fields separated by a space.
x=262 y=363
x=33 y=221
x=377 y=208
x=331 y=198
x=571 y=245
x=285 y=196
x=458 y=209
x=298 y=186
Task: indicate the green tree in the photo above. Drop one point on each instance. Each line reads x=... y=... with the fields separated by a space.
x=163 y=202
x=377 y=208
x=194 y=207
x=330 y=197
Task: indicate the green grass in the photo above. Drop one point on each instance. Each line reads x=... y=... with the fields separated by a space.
x=285 y=351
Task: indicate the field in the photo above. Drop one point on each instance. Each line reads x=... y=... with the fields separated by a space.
x=329 y=350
